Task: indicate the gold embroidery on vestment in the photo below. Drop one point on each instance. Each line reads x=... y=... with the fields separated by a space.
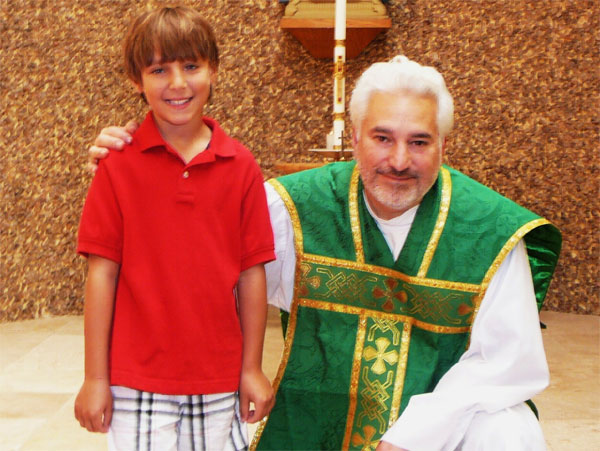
x=381 y=355
x=434 y=306
x=375 y=356
x=298 y=280
x=291 y=208
x=384 y=325
x=439 y=224
x=356 y=361
x=365 y=440
x=343 y=286
x=400 y=374
x=341 y=308
x=390 y=294
x=305 y=280
x=508 y=246
x=374 y=397
x=359 y=249
x=285 y=355
x=387 y=272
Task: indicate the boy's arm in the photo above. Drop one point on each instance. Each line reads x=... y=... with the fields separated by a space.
x=93 y=405
x=254 y=385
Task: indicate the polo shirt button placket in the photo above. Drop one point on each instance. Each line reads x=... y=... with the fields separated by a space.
x=185 y=192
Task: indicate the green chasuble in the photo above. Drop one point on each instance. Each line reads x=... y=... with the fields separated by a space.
x=365 y=332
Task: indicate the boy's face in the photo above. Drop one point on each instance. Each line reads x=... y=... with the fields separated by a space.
x=177 y=91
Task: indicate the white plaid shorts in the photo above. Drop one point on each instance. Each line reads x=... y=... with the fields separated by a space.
x=144 y=421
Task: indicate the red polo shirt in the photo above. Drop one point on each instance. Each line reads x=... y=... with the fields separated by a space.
x=182 y=234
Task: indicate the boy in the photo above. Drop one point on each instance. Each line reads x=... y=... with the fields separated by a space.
x=176 y=230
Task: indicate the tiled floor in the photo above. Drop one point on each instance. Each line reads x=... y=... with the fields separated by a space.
x=41 y=367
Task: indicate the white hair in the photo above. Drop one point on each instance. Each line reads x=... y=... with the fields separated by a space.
x=400 y=74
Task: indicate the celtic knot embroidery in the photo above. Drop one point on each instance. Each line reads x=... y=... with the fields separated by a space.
x=346 y=286
x=373 y=399
x=385 y=325
x=435 y=307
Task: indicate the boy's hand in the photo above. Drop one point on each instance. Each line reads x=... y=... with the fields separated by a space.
x=255 y=387
x=94 y=405
x=110 y=138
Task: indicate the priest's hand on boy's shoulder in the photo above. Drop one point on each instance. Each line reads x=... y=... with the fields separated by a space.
x=110 y=138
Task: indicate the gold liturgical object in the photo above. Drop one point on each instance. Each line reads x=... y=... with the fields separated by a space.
x=322 y=27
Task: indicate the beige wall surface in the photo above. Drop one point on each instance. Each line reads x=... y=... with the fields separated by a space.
x=524 y=75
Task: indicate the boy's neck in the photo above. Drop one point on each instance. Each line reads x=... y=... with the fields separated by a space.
x=188 y=140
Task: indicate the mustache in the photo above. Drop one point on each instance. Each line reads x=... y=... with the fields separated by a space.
x=396 y=173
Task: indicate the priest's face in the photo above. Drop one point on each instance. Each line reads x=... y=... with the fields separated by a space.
x=398 y=151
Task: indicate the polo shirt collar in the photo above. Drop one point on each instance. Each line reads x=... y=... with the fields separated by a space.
x=148 y=136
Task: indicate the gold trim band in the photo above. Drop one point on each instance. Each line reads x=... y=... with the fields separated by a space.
x=291 y=208
x=382 y=271
x=348 y=309
x=355 y=218
x=508 y=246
x=400 y=373
x=440 y=223
x=356 y=365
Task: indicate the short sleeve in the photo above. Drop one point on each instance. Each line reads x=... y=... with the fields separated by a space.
x=257 y=235
x=101 y=224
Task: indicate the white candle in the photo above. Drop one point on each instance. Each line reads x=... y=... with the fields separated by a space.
x=339 y=58
x=340 y=19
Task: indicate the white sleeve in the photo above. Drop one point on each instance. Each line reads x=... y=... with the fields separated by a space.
x=280 y=272
x=504 y=365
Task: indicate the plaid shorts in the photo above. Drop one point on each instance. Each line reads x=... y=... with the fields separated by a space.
x=144 y=421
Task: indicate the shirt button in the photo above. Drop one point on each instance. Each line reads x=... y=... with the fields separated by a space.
x=186 y=174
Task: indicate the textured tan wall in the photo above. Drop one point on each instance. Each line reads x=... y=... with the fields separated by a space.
x=524 y=75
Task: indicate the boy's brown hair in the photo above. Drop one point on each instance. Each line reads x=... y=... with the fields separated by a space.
x=177 y=33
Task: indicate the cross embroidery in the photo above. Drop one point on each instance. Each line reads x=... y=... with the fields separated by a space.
x=390 y=294
x=380 y=355
x=365 y=441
